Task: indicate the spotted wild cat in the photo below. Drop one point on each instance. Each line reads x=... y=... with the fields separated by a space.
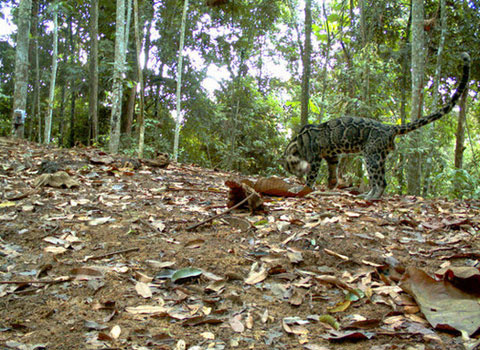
x=374 y=139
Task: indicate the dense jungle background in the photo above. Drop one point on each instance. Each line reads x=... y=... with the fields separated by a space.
x=251 y=73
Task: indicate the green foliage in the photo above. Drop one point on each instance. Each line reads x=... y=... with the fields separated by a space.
x=358 y=64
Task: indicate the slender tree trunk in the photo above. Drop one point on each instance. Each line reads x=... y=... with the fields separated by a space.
x=306 y=61
x=365 y=57
x=53 y=78
x=141 y=121
x=61 y=136
x=36 y=113
x=441 y=46
x=21 y=69
x=93 y=81
x=460 y=140
x=428 y=164
x=179 y=82
x=325 y=65
x=403 y=98
x=118 y=69
x=73 y=87
x=138 y=46
x=131 y=96
x=460 y=134
x=418 y=62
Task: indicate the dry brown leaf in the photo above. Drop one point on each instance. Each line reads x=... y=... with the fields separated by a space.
x=57 y=180
x=86 y=273
x=143 y=290
x=115 y=332
x=277 y=187
x=141 y=277
x=145 y=309
x=256 y=276
x=236 y=323
x=444 y=305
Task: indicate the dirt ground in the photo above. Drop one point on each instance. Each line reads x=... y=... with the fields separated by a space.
x=101 y=262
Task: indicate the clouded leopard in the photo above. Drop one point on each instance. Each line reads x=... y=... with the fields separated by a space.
x=372 y=138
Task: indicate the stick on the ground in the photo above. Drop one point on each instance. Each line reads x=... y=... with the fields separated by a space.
x=38 y=281
x=221 y=214
x=110 y=254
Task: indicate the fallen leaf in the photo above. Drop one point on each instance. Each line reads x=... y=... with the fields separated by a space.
x=277 y=187
x=57 y=180
x=194 y=243
x=145 y=309
x=236 y=324
x=444 y=305
x=100 y=221
x=340 y=307
x=143 y=290
x=348 y=335
x=291 y=325
x=115 y=332
x=86 y=273
x=208 y=335
x=55 y=250
x=256 y=275
x=187 y=272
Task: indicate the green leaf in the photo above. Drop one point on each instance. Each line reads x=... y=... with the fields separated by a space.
x=186 y=273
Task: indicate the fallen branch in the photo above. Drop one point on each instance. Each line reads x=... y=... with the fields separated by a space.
x=222 y=213
x=97 y=257
x=60 y=280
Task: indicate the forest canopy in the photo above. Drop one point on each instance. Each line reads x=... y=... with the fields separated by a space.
x=252 y=73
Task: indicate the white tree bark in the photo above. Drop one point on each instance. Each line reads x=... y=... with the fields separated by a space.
x=418 y=63
x=179 y=82
x=53 y=77
x=138 y=46
x=21 y=67
x=118 y=77
x=418 y=58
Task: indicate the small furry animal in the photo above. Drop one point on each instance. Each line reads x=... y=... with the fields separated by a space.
x=374 y=139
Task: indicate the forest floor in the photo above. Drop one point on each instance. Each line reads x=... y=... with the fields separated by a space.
x=107 y=261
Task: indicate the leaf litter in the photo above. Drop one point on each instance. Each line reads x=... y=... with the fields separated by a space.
x=108 y=258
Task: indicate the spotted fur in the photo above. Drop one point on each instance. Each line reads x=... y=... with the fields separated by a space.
x=372 y=138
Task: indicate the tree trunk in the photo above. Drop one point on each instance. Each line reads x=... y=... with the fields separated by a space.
x=21 y=69
x=61 y=118
x=418 y=62
x=131 y=95
x=73 y=93
x=365 y=57
x=179 y=82
x=141 y=124
x=428 y=164
x=93 y=81
x=53 y=78
x=306 y=61
x=460 y=134
x=403 y=99
x=118 y=69
x=441 y=45
x=141 y=121
x=36 y=113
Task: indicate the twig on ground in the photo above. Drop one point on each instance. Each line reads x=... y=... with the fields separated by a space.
x=61 y=280
x=222 y=213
